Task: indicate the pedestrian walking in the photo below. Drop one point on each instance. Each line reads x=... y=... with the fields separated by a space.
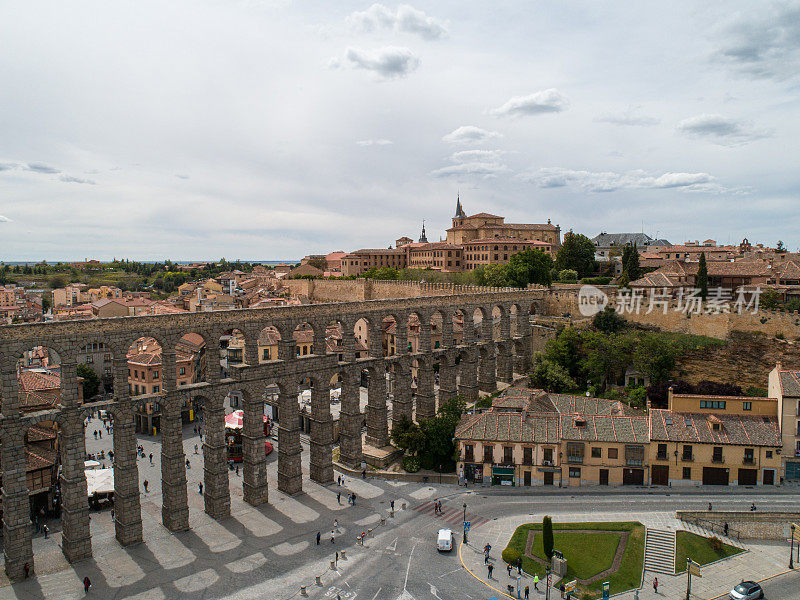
x=195 y=448
x=508 y=569
x=145 y=483
x=101 y=434
x=536 y=582
x=339 y=480
x=392 y=504
x=46 y=530
x=354 y=499
x=319 y=537
x=27 y=568
x=339 y=497
x=519 y=566
x=725 y=529
x=336 y=524
x=188 y=464
x=364 y=474
x=490 y=568
x=709 y=507
x=485 y=557
x=527 y=592
x=95 y=434
x=200 y=488
x=333 y=539
x=151 y=458
x=112 y=515
x=237 y=470
x=87 y=583
x=655 y=585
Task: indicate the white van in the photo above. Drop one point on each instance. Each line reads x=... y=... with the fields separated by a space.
x=444 y=541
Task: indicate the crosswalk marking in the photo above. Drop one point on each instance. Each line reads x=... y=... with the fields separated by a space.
x=450 y=514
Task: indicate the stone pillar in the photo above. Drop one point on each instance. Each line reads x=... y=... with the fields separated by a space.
x=447 y=331
x=469 y=327
x=320 y=342
x=76 y=541
x=424 y=334
x=447 y=379
x=377 y=423
x=487 y=370
x=426 y=400
x=290 y=474
x=321 y=466
x=254 y=461
x=505 y=363
x=216 y=490
x=17 y=544
x=350 y=419
x=286 y=345
x=402 y=403
x=127 y=507
x=174 y=499
x=468 y=381
x=401 y=338
x=376 y=338
x=348 y=343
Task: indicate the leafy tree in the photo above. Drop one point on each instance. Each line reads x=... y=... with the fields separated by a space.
x=606 y=357
x=630 y=263
x=407 y=435
x=550 y=376
x=529 y=266
x=547 y=537
x=637 y=397
x=769 y=299
x=91 y=382
x=780 y=247
x=57 y=281
x=568 y=276
x=494 y=276
x=577 y=254
x=608 y=321
x=655 y=357
x=565 y=350
x=702 y=276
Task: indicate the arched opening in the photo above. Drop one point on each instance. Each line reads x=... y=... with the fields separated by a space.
x=191 y=367
x=362 y=331
x=514 y=314
x=438 y=333
x=390 y=337
x=304 y=343
x=145 y=379
x=478 y=324
x=98 y=358
x=268 y=341
x=458 y=327
x=42 y=462
x=413 y=333
x=231 y=352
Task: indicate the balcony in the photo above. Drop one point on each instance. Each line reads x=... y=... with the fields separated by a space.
x=748 y=460
x=575 y=460
x=662 y=456
x=717 y=459
x=687 y=458
x=634 y=462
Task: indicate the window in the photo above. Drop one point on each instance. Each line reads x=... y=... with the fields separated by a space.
x=508 y=457
x=634 y=455
x=575 y=472
x=747 y=406
x=575 y=452
x=662 y=452
x=155 y=374
x=687 y=472
x=136 y=389
x=768 y=454
x=716 y=455
x=468 y=453
x=488 y=452
x=183 y=370
x=527 y=456
x=749 y=456
x=89 y=358
x=719 y=404
x=687 y=453
x=548 y=455
x=156 y=389
x=613 y=453
x=597 y=453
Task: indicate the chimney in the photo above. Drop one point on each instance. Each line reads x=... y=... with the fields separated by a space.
x=670 y=394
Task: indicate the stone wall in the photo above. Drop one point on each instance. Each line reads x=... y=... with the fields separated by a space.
x=750 y=525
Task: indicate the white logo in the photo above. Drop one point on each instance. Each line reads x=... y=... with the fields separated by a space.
x=591 y=300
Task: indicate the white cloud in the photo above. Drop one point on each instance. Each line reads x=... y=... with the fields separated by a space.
x=632 y=116
x=4 y=219
x=406 y=19
x=538 y=103
x=470 y=133
x=721 y=130
x=378 y=142
x=38 y=167
x=483 y=169
x=763 y=43
x=609 y=181
x=7 y=166
x=389 y=62
x=181 y=176
x=476 y=155
x=71 y=179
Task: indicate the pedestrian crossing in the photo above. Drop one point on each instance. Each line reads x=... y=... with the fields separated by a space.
x=450 y=514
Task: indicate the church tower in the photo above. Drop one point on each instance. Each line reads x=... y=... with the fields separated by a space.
x=460 y=214
x=423 y=239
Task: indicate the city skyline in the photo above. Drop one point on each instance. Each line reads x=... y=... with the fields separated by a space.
x=267 y=130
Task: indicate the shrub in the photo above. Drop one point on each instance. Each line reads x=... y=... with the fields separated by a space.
x=428 y=462
x=411 y=464
x=716 y=544
x=780 y=336
x=511 y=555
x=596 y=280
x=547 y=537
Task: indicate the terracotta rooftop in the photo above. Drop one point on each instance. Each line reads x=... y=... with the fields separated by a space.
x=509 y=426
x=605 y=428
x=672 y=426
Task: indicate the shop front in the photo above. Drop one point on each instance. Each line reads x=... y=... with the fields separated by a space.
x=503 y=476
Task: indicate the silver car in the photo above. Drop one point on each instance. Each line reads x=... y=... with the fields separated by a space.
x=747 y=590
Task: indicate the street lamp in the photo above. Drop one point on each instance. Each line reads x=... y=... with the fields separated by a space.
x=791 y=549
x=465 y=522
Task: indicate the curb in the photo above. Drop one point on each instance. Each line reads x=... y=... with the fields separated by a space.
x=502 y=593
x=725 y=595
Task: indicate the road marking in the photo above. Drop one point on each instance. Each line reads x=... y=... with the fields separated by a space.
x=376 y=593
x=393 y=545
x=449 y=572
x=478 y=578
x=434 y=591
x=408 y=568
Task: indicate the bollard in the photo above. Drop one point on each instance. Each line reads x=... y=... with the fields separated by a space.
x=391 y=514
x=343 y=555
x=383 y=520
x=303 y=591
x=333 y=565
x=369 y=532
x=404 y=505
x=318 y=580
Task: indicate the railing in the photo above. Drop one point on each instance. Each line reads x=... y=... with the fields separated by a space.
x=575 y=460
x=662 y=457
x=749 y=461
x=714 y=527
x=717 y=459
x=687 y=458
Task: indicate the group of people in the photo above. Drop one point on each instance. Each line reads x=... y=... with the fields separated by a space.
x=437 y=507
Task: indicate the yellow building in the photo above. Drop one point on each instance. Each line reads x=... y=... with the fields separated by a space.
x=715 y=440
x=784 y=385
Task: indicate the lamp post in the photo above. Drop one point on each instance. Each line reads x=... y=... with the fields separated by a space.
x=464 y=522
x=791 y=549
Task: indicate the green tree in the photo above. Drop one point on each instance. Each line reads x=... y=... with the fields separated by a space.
x=769 y=299
x=576 y=253
x=568 y=276
x=529 y=266
x=702 y=276
x=608 y=321
x=654 y=356
x=494 y=276
x=91 y=382
x=547 y=537
x=780 y=248
x=408 y=436
x=319 y=263
x=565 y=350
x=550 y=376
x=637 y=397
x=57 y=281
x=630 y=263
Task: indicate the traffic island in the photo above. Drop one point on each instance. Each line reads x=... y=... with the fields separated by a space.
x=595 y=553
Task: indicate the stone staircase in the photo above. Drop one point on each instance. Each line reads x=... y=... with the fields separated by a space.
x=659 y=551
x=700 y=530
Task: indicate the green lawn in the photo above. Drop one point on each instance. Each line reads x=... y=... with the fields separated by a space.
x=699 y=549
x=588 y=553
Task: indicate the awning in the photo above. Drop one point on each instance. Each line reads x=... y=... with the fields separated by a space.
x=235 y=420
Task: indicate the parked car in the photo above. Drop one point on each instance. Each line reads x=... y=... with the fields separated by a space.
x=444 y=541
x=747 y=590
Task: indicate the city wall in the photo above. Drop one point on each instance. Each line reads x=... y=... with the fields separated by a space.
x=750 y=525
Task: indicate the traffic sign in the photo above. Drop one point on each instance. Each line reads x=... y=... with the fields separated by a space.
x=570 y=587
x=606 y=590
x=466 y=525
x=694 y=569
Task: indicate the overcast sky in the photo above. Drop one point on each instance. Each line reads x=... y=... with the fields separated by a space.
x=269 y=130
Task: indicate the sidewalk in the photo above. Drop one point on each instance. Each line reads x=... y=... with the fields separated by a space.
x=760 y=561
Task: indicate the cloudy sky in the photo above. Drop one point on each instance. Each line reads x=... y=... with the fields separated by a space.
x=269 y=129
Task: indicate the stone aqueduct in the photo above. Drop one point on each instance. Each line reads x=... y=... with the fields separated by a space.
x=496 y=342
